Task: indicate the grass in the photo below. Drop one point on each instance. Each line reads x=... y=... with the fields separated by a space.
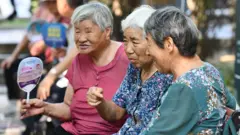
x=14 y=24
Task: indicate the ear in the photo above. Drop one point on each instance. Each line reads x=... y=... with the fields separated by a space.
x=108 y=33
x=169 y=44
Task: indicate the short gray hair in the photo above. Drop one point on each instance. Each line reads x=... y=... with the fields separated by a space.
x=138 y=17
x=97 y=12
x=171 y=22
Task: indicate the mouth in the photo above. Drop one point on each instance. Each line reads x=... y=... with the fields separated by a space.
x=84 y=46
x=132 y=60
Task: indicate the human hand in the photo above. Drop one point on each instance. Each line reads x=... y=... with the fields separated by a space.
x=8 y=62
x=34 y=107
x=95 y=96
x=44 y=87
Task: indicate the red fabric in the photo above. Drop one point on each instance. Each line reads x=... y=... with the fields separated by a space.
x=84 y=74
x=48 y=55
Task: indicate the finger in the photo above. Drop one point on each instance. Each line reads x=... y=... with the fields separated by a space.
x=47 y=92
x=27 y=114
x=33 y=102
x=27 y=106
x=24 y=101
x=98 y=94
x=3 y=65
x=91 y=89
x=39 y=91
x=38 y=95
x=93 y=100
x=24 y=116
x=22 y=111
x=100 y=90
x=42 y=95
x=95 y=104
x=92 y=96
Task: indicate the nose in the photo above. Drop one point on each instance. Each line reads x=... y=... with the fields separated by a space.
x=128 y=48
x=81 y=38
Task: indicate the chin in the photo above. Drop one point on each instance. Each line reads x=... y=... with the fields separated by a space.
x=136 y=65
x=83 y=51
x=161 y=71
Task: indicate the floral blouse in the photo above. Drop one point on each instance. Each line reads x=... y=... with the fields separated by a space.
x=140 y=99
x=193 y=104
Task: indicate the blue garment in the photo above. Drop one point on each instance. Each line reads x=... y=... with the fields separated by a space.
x=193 y=104
x=140 y=99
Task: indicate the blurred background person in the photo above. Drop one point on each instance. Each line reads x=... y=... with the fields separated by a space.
x=6 y=10
x=36 y=48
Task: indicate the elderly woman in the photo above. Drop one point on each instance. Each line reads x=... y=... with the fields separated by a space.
x=142 y=87
x=101 y=62
x=194 y=103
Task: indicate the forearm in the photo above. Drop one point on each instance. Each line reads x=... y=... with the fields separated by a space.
x=59 y=110
x=109 y=111
x=63 y=65
x=20 y=46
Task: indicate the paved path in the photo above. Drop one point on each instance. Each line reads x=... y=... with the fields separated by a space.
x=10 y=123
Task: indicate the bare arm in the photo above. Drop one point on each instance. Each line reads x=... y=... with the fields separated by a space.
x=37 y=106
x=45 y=85
x=23 y=44
x=8 y=62
x=61 y=110
x=108 y=110
x=63 y=65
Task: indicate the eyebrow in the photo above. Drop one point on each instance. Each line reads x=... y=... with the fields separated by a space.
x=134 y=38
x=88 y=28
x=76 y=27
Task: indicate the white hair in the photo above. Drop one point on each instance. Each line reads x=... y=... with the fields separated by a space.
x=97 y=12
x=138 y=17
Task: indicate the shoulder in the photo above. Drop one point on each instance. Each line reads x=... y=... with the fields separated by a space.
x=210 y=69
x=179 y=93
x=176 y=89
x=123 y=57
x=179 y=88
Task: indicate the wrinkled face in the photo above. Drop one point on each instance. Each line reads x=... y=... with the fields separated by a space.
x=135 y=46
x=89 y=38
x=160 y=55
